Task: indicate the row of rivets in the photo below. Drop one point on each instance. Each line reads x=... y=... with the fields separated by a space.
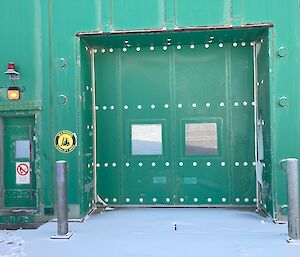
x=178 y=47
x=153 y=164
x=181 y=199
x=166 y=106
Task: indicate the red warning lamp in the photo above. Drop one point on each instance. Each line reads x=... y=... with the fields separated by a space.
x=13 y=93
x=13 y=74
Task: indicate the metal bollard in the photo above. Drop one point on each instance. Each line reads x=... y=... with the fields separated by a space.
x=62 y=201
x=293 y=200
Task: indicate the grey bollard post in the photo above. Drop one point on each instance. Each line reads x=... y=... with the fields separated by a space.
x=293 y=199
x=62 y=201
x=62 y=198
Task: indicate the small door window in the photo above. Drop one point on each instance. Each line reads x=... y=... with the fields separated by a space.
x=201 y=139
x=146 y=139
x=22 y=149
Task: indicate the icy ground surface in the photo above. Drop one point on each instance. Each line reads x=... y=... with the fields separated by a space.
x=150 y=232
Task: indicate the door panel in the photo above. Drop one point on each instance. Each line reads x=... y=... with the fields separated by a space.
x=19 y=170
x=201 y=99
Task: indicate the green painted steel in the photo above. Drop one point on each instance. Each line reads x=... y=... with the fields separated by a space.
x=39 y=35
x=18 y=129
x=198 y=85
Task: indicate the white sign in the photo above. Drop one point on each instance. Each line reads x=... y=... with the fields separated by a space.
x=22 y=172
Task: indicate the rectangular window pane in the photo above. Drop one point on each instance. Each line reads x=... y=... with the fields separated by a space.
x=201 y=138
x=146 y=139
x=23 y=149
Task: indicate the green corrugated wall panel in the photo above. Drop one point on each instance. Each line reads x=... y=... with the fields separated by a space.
x=191 y=13
x=137 y=14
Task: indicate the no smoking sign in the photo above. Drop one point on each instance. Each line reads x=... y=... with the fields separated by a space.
x=22 y=172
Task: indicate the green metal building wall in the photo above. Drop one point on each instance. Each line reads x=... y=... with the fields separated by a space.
x=35 y=34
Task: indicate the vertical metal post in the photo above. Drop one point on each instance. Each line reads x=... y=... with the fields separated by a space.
x=293 y=199
x=62 y=201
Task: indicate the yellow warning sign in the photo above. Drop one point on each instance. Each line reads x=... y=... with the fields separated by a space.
x=65 y=141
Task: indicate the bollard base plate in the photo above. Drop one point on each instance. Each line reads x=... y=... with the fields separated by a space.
x=293 y=241
x=66 y=236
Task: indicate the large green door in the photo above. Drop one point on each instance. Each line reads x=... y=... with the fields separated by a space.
x=18 y=173
x=175 y=125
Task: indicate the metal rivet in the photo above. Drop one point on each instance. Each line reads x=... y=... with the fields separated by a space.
x=86 y=48
x=245 y=103
x=224 y=199
x=167 y=164
x=127 y=164
x=221 y=45
x=111 y=50
x=98 y=165
x=126 y=41
x=88 y=165
x=246 y=200
x=245 y=163
x=237 y=164
x=210 y=41
x=192 y=46
x=194 y=105
x=127 y=200
x=141 y=200
x=261 y=41
x=208 y=164
x=88 y=126
x=152 y=106
x=106 y=164
x=95 y=51
x=206 y=46
x=195 y=164
x=103 y=50
x=154 y=200
x=252 y=43
x=114 y=164
x=181 y=164
x=104 y=107
x=254 y=200
x=112 y=107
x=140 y=164
x=139 y=107
x=207 y=104
x=254 y=163
x=106 y=200
x=168 y=200
x=237 y=200
x=181 y=199
x=166 y=106
x=153 y=164
x=222 y=104
x=96 y=108
x=151 y=48
x=195 y=199
x=178 y=47
x=179 y=105
x=211 y=37
x=209 y=200
x=234 y=44
x=138 y=49
x=114 y=200
x=125 y=107
x=243 y=44
x=236 y=104
x=165 y=48
x=124 y=49
x=223 y=164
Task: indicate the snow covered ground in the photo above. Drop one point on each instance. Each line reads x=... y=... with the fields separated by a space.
x=151 y=233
